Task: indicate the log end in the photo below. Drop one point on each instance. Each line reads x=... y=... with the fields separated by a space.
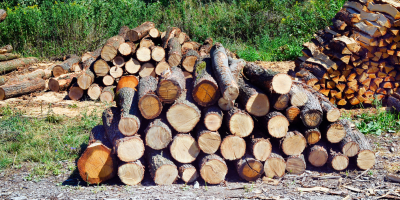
x=225 y=104
x=278 y=126
x=158 y=137
x=296 y=164
x=168 y=91
x=274 y=167
x=75 y=93
x=129 y=149
x=206 y=93
x=258 y=105
x=108 y=52
x=299 y=99
x=350 y=149
x=318 y=158
x=212 y=122
x=183 y=117
x=58 y=71
x=53 y=85
x=262 y=150
x=340 y=162
x=166 y=175
x=233 y=147
x=209 y=142
x=282 y=83
x=251 y=170
x=335 y=133
x=184 y=148
x=333 y=115
x=294 y=145
x=241 y=124
x=213 y=171
x=366 y=159
x=131 y=173
x=188 y=175
x=128 y=126
x=231 y=93
x=150 y=106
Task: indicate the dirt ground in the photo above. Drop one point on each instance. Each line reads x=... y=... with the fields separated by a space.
x=15 y=183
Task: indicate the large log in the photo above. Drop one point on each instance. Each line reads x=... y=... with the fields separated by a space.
x=162 y=169
x=272 y=81
x=293 y=143
x=3 y=15
x=139 y=32
x=318 y=155
x=296 y=164
x=249 y=168
x=227 y=83
x=189 y=60
x=158 y=134
x=171 y=85
x=233 y=147
x=276 y=124
x=253 y=99
x=62 y=82
x=205 y=91
x=8 y=56
x=161 y=67
x=184 y=148
x=25 y=87
x=259 y=147
x=44 y=74
x=213 y=117
x=188 y=173
x=311 y=114
x=213 y=168
x=274 y=166
x=6 y=49
x=208 y=141
x=67 y=66
x=101 y=67
x=150 y=105
x=130 y=81
x=131 y=173
x=127 y=101
x=110 y=49
x=174 y=52
x=11 y=65
x=147 y=69
x=239 y=122
x=128 y=149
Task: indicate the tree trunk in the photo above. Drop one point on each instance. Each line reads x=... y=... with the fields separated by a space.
x=213 y=169
x=206 y=47
x=249 y=168
x=85 y=79
x=280 y=101
x=67 y=66
x=11 y=65
x=139 y=32
x=274 y=166
x=296 y=164
x=208 y=141
x=188 y=173
x=150 y=105
x=131 y=173
x=110 y=49
x=335 y=132
x=239 y=122
x=3 y=15
x=130 y=116
x=293 y=114
x=213 y=117
x=162 y=168
x=130 y=81
x=337 y=160
x=318 y=155
x=94 y=91
x=267 y=79
x=254 y=100
x=33 y=75
x=8 y=56
x=129 y=149
x=298 y=96
x=233 y=147
x=184 y=148
x=108 y=80
x=312 y=136
x=132 y=66
x=171 y=85
x=227 y=83
x=116 y=72
x=161 y=67
x=174 y=52
x=170 y=33
x=276 y=124
x=127 y=48
x=189 y=60
x=101 y=68
x=6 y=49
x=75 y=92
x=349 y=144
x=293 y=143
x=63 y=82
x=157 y=53
x=158 y=134
x=205 y=91
x=25 y=87
x=311 y=114
x=107 y=95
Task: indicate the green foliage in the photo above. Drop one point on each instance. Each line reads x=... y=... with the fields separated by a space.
x=255 y=29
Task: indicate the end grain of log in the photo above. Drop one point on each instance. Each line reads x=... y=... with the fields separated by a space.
x=188 y=173
x=107 y=95
x=208 y=141
x=312 y=136
x=129 y=149
x=150 y=105
x=249 y=168
x=296 y=164
x=132 y=66
x=131 y=173
x=293 y=114
x=94 y=92
x=213 y=169
x=130 y=81
x=205 y=91
x=174 y=52
x=101 y=67
x=127 y=101
x=254 y=100
x=189 y=60
x=110 y=49
x=239 y=122
x=233 y=147
x=171 y=85
x=75 y=92
x=139 y=32
x=274 y=166
x=293 y=143
x=67 y=66
x=158 y=134
x=213 y=118
x=162 y=169
x=276 y=124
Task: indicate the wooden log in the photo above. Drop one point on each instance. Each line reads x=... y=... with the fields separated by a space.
x=236 y=66
x=337 y=160
x=128 y=149
x=146 y=42
x=213 y=169
x=228 y=85
x=366 y=157
x=213 y=117
x=94 y=91
x=385 y=8
x=75 y=92
x=174 y=52
x=147 y=69
x=276 y=124
x=318 y=155
x=315 y=69
x=158 y=134
x=254 y=100
x=91 y=55
x=311 y=114
x=97 y=163
x=206 y=47
x=171 y=85
x=205 y=91
x=161 y=67
x=25 y=87
x=107 y=95
x=393 y=103
x=11 y=65
x=298 y=96
x=3 y=15
x=335 y=132
x=157 y=53
x=131 y=173
x=150 y=105
x=116 y=72
x=188 y=173
x=274 y=166
x=280 y=101
x=307 y=77
x=101 y=67
x=8 y=56
x=349 y=145
x=110 y=49
x=225 y=105
x=312 y=136
x=6 y=49
x=233 y=147
x=67 y=66
x=170 y=33
x=249 y=168
x=85 y=79
x=239 y=122
x=293 y=114
x=130 y=81
x=189 y=59
x=143 y=54
x=127 y=101
x=346 y=16
x=183 y=37
x=127 y=48
x=270 y=80
x=339 y=24
x=110 y=118
x=108 y=80
x=118 y=61
x=154 y=33
x=296 y=164
x=139 y=32
x=184 y=148
x=260 y=147
x=161 y=167
x=30 y=76
x=132 y=66
x=208 y=141
x=293 y=143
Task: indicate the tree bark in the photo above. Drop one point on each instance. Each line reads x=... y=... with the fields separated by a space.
x=206 y=47
x=318 y=155
x=249 y=168
x=233 y=147
x=91 y=55
x=213 y=168
x=85 y=79
x=25 y=87
x=174 y=52
x=189 y=60
x=94 y=91
x=255 y=101
x=150 y=105
x=296 y=164
x=139 y=32
x=184 y=148
x=67 y=66
x=311 y=114
x=33 y=75
x=170 y=33
x=205 y=91
x=276 y=124
x=171 y=85
x=208 y=141
x=239 y=122
x=6 y=49
x=123 y=30
x=349 y=144
x=213 y=117
x=366 y=157
x=158 y=134
x=63 y=82
x=110 y=118
x=157 y=53
x=188 y=173
x=8 y=56
x=162 y=169
x=11 y=65
x=131 y=173
x=110 y=49
x=293 y=143
x=307 y=77
x=108 y=94
x=130 y=116
x=316 y=70
x=3 y=15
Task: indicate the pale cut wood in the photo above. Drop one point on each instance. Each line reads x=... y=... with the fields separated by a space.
x=239 y=122
x=170 y=33
x=116 y=71
x=348 y=144
x=255 y=101
x=188 y=173
x=129 y=149
x=154 y=33
x=67 y=66
x=213 y=117
x=318 y=155
x=107 y=95
x=249 y=168
x=110 y=49
x=127 y=101
x=157 y=53
x=91 y=55
x=335 y=132
x=233 y=147
x=189 y=60
x=6 y=49
x=208 y=141
x=298 y=96
x=158 y=134
x=225 y=105
x=171 y=85
x=30 y=76
x=260 y=148
x=127 y=48
x=206 y=47
x=85 y=79
x=146 y=42
x=213 y=168
x=161 y=67
x=184 y=148
x=276 y=124
x=174 y=52
x=311 y=114
x=337 y=160
x=162 y=168
x=147 y=69
x=274 y=166
x=385 y=8
x=183 y=37
x=25 y=87
x=296 y=164
x=94 y=91
x=293 y=143
x=108 y=80
x=131 y=173
x=132 y=66
x=101 y=67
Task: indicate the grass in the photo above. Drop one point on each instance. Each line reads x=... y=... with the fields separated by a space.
x=45 y=141
x=255 y=29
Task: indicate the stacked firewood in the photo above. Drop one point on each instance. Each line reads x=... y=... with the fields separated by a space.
x=201 y=115
x=355 y=60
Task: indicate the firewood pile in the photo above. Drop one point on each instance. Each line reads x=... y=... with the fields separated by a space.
x=203 y=111
x=355 y=61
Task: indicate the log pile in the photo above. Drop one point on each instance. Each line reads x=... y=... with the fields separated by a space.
x=203 y=113
x=355 y=60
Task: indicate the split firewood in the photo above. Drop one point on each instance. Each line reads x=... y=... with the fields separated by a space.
x=6 y=49
x=68 y=66
x=276 y=124
x=249 y=168
x=171 y=85
x=188 y=173
x=239 y=122
x=129 y=123
x=108 y=94
x=131 y=173
x=296 y=164
x=139 y=32
x=110 y=49
x=205 y=91
x=25 y=87
x=184 y=148
x=150 y=105
x=11 y=65
x=75 y=92
x=208 y=141
x=233 y=147
x=213 y=168
x=162 y=168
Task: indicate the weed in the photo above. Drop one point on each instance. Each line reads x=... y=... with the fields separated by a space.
x=248 y=189
x=185 y=187
x=370 y=172
x=73 y=106
x=206 y=187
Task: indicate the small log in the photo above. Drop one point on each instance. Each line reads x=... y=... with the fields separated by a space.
x=311 y=114
x=127 y=48
x=298 y=96
x=94 y=91
x=293 y=114
x=233 y=147
x=75 y=92
x=162 y=168
x=150 y=105
x=171 y=85
x=6 y=49
x=366 y=157
x=184 y=148
x=25 y=87
x=208 y=141
x=170 y=33
x=206 y=47
x=132 y=66
x=337 y=160
x=312 y=136
x=213 y=169
x=183 y=37
x=139 y=32
x=107 y=95
x=85 y=79
x=205 y=91
x=161 y=67
x=127 y=101
x=255 y=101
x=213 y=117
x=276 y=124
x=147 y=69
x=280 y=101
x=348 y=144
x=127 y=81
x=190 y=45
x=225 y=105
x=154 y=33
x=108 y=80
x=110 y=49
x=11 y=65
x=91 y=55
x=128 y=149
x=101 y=67
x=318 y=155
x=260 y=148
x=116 y=72
x=188 y=173
x=174 y=52
x=315 y=69
x=307 y=77
x=67 y=66
x=8 y=56
x=293 y=143
x=158 y=134
x=118 y=61
x=143 y=54
x=274 y=166
x=335 y=132
x=131 y=173
x=239 y=122
x=157 y=53
x=189 y=60
x=296 y=164
x=146 y=42
x=249 y=168
x=110 y=118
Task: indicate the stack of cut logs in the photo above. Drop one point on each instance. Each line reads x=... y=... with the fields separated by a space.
x=355 y=61
x=206 y=111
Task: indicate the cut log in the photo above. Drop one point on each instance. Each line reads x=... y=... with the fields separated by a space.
x=249 y=168
x=6 y=49
x=184 y=148
x=298 y=96
x=158 y=134
x=150 y=105
x=85 y=79
x=147 y=70
x=268 y=79
x=139 y=32
x=346 y=16
x=393 y=103
x=337 y=160
x=318 y=155
x=171 y=85
x=366 y=157
x=101 y=67
x=293 y=114
x=93 y=92
x=174 y=52
x=385 y=8
x=213 y=117
x=8 y=56
x=293 y=143
x=233 y=147
x=143 y=54
x=236 y=66
x=170 y=33
x=225 y=105
x=189 y=60
x=311 y=114
x=280 y=101
x=228 y=85
x=132 y=66
x=315 y=69
x=208 y=141
x=349 y=145
x=25 y=87
x=67 y=66
x=91 y=55
x=110 y=118
x=190 y=45
x=107 y=95
x=110 y=49
x=312 y=136
x=127 y=48
x=157 y=53
x=3 y=15
x=239 y=122
x=146 y=42
x=260 y=148
x=206 y=47
x=116 y=72
x=276 y=124
x=130 y=81
x=183 y=37
x=339 y=24
x=255 y=101
x=131 y=173
x=154 y=33
x=75 y=92
x=296 y=164
x=129 y=149
x=213 y=169
x=118 y=61
x=350 y=43
x=33 y=75
x=127 y=101
x=335 y=132
x=307 y=77
x=162 y=169
x=274 y=166
x=205 y=91
x=188 y=173
x=161 y=67
x=11 y=65
x=108 y=80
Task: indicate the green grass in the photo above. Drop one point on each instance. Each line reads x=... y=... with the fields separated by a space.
x=43 y=141
x=255 y=29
